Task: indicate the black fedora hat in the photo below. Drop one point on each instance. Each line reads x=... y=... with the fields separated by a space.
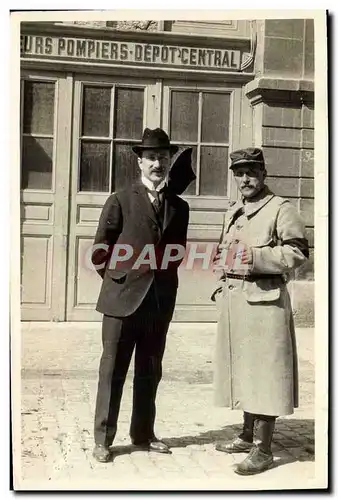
x=154 y=139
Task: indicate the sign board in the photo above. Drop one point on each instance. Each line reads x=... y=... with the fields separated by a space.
x=100 y=51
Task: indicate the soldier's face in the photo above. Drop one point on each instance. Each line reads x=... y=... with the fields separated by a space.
x=155 y=164
x=249 y=179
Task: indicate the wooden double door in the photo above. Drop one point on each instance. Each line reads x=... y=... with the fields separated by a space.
x=77 y=132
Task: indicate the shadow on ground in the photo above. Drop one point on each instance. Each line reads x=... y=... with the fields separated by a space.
x=293 y=441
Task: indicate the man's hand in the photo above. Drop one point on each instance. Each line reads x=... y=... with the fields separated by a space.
x=246 y=255
x=228 y=254
x=238 y=249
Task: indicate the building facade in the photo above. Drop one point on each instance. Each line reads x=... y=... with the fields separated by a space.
x=87 y=92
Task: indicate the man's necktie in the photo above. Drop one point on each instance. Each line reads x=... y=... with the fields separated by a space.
x=158 y=199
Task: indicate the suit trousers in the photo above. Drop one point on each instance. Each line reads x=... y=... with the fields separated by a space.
x=145 y=330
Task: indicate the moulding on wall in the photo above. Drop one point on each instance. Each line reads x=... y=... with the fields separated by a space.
x=280 y=90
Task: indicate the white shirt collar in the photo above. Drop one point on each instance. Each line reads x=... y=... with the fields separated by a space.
x=149 y=185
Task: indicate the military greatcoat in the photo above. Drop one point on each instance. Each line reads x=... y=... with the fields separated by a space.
x=256 y=358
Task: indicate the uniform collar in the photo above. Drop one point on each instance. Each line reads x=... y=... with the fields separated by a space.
x=252 y=206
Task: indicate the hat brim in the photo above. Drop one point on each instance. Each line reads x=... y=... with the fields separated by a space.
x=138 y=149
x=240 y=163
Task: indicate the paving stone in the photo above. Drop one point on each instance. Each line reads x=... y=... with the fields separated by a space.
x=58 y=414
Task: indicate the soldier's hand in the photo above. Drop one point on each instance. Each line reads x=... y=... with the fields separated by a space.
x=246 y=255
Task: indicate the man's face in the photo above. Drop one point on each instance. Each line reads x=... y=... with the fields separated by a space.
x=155 y=164
x=249 y=179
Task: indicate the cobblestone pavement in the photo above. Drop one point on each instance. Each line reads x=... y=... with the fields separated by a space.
x=58 y=390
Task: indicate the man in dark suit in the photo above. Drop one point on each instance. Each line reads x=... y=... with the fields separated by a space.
x=137 y=296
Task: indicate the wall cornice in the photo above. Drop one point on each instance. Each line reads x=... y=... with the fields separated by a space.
x=281 y=90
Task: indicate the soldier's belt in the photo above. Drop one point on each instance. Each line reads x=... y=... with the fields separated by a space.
x=253 y=277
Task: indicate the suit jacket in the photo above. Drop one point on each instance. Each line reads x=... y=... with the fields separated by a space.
x=128 y=218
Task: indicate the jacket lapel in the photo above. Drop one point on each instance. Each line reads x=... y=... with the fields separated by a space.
x=145 y=206
x=143 y=202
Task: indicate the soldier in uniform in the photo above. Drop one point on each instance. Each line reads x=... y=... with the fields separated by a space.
x=137 y=302
x=262 y=242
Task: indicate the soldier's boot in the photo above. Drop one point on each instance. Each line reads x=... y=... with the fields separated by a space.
x=242 y=443
x=260 y=457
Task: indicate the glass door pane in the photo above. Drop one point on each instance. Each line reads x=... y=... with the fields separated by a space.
x=95 y=160
x=213 y=171
x=215 y=117
x=37 y=134
x=126 y=170
x=184 y=116
x=96 y=111
x=129 y=113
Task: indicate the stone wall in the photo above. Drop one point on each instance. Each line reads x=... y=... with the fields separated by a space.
x=288 y=48
x=290 y=158
x=282 y=100
x=288 y=148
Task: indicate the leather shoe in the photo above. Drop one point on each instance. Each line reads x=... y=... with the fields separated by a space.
x=158 y=446
x=237 y=445
x=153 y=445
x=101 y=453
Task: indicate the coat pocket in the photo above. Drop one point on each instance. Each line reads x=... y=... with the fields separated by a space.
x=262 y=290
x=216 y=294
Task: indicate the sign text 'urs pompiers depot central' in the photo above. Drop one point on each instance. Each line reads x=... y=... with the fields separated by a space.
x=128 y=52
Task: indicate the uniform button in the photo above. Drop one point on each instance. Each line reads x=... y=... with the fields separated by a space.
x=239 y=226
x=236 y=241
x=231 y=287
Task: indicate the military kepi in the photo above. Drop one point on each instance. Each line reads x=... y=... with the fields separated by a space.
x=247 y=155
x=155 y=139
